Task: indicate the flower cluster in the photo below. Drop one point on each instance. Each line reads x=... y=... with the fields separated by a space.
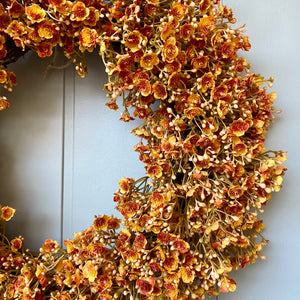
x=194 y=217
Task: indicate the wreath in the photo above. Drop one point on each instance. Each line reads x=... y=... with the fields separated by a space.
x=194 y=217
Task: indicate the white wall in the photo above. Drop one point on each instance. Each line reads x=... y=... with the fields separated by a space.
x=63 y=152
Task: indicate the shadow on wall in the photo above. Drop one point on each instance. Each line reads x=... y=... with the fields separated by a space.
x=30 y=135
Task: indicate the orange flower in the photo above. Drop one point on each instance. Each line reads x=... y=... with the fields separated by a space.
x=129 y=209
x=170 y=50
x=169 y=29
x=171 y=290
x=219 y=92
x=193 y=112
x=7 y=213
x=239 y=127
x=144 y=87
x=207 y=81
x=16 y=244
x=16 y=9
x=92 y=18
x=186 y=31
x=200 y=62
x=204 y=5
x=112 y=105
x=145 y=285
x=227 y=285
x=156 y=199
x=171 y=263
x=3 y=76
x=187 y=275
x=104 y=282
x=177 y=10
x=228 y=50
x=90 y=271
x=20 y=284
x=238 y=147
x=88 y=37
x=46 y=29
x=57 y=3
x=160 y=91
x=140 y=75
x=50 y=246
x=101 y=222
x=44 y=49
x=35 y=13
x=154 y=171
x=175 y=81
x=235 y=192
x=79 y=12
x=124 y=184
x=125 y=63
x=139 y=242
x=222 y=109
x=206 y=25
x=181 y=245
x=16 y=29
x=149 y=60
x=134 y=40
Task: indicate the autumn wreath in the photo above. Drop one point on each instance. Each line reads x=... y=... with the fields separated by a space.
x=194 y=217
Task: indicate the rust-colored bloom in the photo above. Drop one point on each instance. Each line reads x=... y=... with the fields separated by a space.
x=177 y=11
x=227 y=285
x=149 y=60
x=238 y=147
x=192 y=112
x=50 y=246
x=16 y=9
x=79 y=12
x=160 y=91
x=145 y=285
x=92 y=18
x=207 y=81
x=181 y=245
x=134 y=40
x=44 y=49
x=200 y=62
x=187 y=275
x=206 y=25
x=156 y=199
x=35 y=13
x=170 y=50
x=239 y=127
x=235 y=192
x=186 y=31
x=46 y=29
x=88 y=37
x=171 y=290
x=155 y=171
x=125 y=63
x=16 y=29
x=101 y=222
x=90 y=271
x=124 y=184
x=7 y=213
x=3 y=76
x=139 y=242
x=16 y=244
x=204 y=6
x=144 y=87
x=105 y=282
x=129 y=209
